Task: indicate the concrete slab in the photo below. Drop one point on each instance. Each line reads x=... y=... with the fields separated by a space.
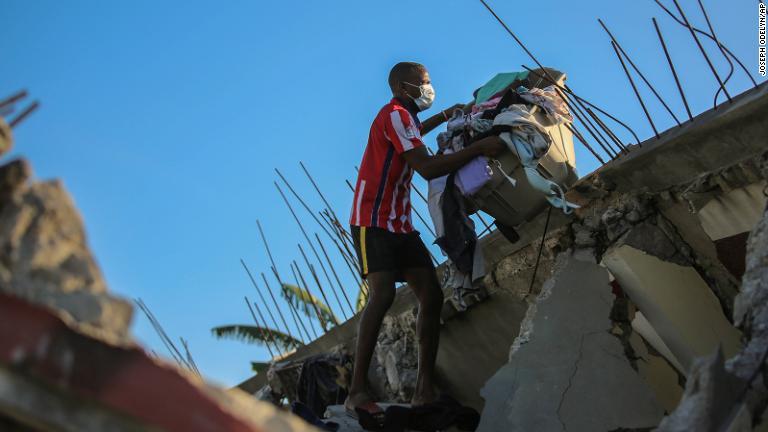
x=567 y=372
x=734 y=212
x=676 y=301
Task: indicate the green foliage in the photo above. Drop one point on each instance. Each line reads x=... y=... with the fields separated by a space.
x=303 y=301
x=259 y=367
x=257 y=335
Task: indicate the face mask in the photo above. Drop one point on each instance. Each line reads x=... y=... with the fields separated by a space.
x=424 y=101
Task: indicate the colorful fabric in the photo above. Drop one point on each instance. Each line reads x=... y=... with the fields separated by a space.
x=497 y=84
x=530 y=141
x=383 y=188
x=550 y=101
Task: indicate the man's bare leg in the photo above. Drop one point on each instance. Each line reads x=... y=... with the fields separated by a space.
x=381 y=287
x=424 y=283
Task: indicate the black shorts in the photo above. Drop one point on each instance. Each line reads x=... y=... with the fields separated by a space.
x=381 y=250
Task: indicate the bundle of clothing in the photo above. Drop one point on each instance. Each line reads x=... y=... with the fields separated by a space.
x=442 y=414
x=321 y=383
x=504 y=107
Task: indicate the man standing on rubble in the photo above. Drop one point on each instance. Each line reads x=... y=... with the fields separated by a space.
x=388 y=248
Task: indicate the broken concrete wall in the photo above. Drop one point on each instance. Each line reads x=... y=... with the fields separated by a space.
x=67 y=360
x=566 y=370
x=44 y=255
x=672 y=296
x=733 y=395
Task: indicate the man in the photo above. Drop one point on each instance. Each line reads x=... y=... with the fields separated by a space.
x=388 y=248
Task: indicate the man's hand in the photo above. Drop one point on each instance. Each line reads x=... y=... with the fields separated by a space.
x=491 y=146
x=460 y=106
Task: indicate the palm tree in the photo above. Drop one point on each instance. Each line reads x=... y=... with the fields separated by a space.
x=303 y=302
x=256 y=334
x=309 y=305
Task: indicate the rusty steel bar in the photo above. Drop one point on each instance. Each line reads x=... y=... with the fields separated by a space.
x=634 y=87
x=672 y=68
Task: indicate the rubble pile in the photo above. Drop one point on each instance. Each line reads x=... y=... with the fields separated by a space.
x=68 y=361
x=397 y=357
x=45 y=258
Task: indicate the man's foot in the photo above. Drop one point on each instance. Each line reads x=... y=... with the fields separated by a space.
x=357 y=400
x=423 y=398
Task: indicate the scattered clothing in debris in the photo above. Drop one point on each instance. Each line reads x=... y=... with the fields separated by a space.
x=318 y=385
x=437 y=416
x=310 y=417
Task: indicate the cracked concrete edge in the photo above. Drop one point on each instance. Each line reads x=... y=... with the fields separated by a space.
x=526 y=326
x=749 y=366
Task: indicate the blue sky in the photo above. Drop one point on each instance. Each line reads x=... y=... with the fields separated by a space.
x=165 y=121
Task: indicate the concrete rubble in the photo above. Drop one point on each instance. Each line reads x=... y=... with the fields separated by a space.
x=733 y=395
x=45 y=258
x=397 y=357
x=68 y=362
x=566 y=370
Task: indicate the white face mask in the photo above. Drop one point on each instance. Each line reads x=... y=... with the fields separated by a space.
x=424 y=101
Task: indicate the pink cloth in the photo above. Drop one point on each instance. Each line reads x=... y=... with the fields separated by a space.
x=489 y=104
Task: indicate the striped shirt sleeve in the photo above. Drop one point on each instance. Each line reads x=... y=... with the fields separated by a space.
x=402 y=131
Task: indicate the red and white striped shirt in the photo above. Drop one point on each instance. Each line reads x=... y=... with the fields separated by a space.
x=383 y=191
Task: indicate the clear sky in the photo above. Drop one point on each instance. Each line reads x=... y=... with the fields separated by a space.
x=165 y=121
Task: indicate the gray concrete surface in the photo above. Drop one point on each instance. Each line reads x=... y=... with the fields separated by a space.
x=566 y=371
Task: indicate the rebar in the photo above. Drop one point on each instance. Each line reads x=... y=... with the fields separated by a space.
x=583 y=141
x=312 y=299
x=568 y=90
x=335 y=275
x=261 y=296
x=298 y=198
x=24 y=114
x=309 y=241
x=13 y=98
x=294 y=312
x=348 y=260
x=672 y=68
x=317 y=188
x=703 y=33
x=298 y=286
x=634 y=87
x=607 y=130
x=593 y=131
x=314 y=276
x=639 y=73
x=279 y=312
x=703 y=52
x=722 y=51
x=264 y=335
x=527 y=51
x=169 y=345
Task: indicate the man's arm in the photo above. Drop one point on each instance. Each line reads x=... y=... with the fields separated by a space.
x=436 y=120
x=431 y=167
